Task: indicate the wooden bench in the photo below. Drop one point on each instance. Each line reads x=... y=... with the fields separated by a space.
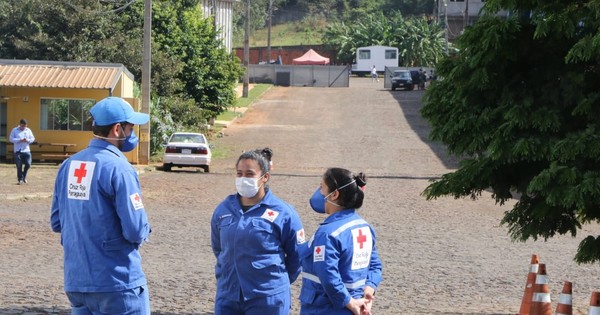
x=56 y=156
x=45 y=156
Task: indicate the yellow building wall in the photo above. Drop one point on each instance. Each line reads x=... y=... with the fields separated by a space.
x=25 y=103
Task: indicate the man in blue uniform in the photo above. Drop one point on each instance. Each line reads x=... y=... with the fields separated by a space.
x=97 y=207
x=22 y=137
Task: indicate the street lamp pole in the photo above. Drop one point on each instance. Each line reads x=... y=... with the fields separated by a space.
x=466 y=19
x=446 y=24
x=269 y=32
x=144 y=147
x=246 y=50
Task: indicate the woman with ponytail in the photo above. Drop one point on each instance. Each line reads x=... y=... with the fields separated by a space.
x=340 y=268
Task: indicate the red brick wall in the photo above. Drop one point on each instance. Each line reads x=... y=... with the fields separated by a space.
x=288 y=53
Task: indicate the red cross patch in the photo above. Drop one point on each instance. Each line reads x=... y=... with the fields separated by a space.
x=136 y=201
x=300 y=237
x=270 y=215
x=319 y=253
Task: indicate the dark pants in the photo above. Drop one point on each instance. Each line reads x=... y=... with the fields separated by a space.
x=23 y=161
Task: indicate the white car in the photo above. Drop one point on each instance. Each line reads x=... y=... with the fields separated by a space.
x=187 y=149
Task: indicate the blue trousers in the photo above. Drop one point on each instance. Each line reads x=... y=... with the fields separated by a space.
x=128 y=302
x=309 y=309
x=278 y=304
x=23 y=161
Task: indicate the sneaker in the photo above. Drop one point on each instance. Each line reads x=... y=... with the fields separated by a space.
x=20 y=182
x=24 y=181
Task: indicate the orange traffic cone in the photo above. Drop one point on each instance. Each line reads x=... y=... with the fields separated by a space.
x=594 y=304
x=565 y=300
x=528 y=295
x=541 y=304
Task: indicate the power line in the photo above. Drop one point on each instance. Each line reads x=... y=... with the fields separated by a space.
x=116 y=10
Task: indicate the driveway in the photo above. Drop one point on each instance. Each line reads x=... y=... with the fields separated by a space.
x=444 y=256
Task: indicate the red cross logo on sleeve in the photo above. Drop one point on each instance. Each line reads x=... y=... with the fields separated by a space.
x=318 y=250
x=270 y=213
x=80 y=173
x=361 y=238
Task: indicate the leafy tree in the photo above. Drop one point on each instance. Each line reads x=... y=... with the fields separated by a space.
x=189 y=68
x=419 y=42
x=520 y=104
x=209 y=74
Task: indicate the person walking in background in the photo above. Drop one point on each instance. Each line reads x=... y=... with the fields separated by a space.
x=22 y=137
x=255 y=237
x=97 y=207
x=374 y=75
x=340 y=265
x=422 y=79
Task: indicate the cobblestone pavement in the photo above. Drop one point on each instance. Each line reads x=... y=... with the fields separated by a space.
x=444 y=256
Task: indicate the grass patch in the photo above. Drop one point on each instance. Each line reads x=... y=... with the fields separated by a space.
x=228 y=115
x=253 y=95
x=288 y=34
x=221 y=152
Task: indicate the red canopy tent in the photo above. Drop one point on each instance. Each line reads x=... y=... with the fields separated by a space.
x=311 y=57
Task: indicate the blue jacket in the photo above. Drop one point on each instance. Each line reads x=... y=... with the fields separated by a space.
x=98 y=210
x=256 y=251
x=340 y=259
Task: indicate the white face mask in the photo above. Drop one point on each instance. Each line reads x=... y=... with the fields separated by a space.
x=247 y=186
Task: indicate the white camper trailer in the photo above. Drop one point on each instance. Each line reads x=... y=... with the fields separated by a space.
x=378 y=56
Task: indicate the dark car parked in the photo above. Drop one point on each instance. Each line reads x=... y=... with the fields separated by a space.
x=402 y=79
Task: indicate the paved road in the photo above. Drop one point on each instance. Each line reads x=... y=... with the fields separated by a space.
x=440 y=257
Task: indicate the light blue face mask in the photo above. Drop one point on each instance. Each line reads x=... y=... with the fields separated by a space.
x=130 y=142
x=317 y=201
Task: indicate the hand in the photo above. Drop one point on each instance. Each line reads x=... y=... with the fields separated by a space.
x=369 y=296
x=356 y=306
x=23 y=140
x=366 y=309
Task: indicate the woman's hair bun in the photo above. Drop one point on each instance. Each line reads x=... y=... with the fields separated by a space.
x=361 y=179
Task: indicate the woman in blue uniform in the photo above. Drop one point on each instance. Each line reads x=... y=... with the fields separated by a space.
x=340 y=265
x=255 y=237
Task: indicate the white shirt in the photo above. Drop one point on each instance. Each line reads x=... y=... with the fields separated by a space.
x=17 y=134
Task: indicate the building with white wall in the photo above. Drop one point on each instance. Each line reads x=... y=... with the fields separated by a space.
x=222 y=11
x=452 y=13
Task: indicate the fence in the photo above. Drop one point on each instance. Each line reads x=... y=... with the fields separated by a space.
x=300 y=75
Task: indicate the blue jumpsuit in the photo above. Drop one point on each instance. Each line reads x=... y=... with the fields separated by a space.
x=98 y=210
x=339 y=260
x=257 y=255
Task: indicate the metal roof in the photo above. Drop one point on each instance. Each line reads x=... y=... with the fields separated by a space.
x=55 y=74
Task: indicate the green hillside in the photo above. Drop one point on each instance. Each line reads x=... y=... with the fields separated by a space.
x=287 y=34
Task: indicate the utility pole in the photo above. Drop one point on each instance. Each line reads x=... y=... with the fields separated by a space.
x=466 y=19
x=246 y=50
x=436 y=13
x=269 y=32
x=144 y=153
x=214 y=14
x=446 y=23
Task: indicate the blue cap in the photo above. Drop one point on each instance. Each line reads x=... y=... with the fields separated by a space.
x=112 y=110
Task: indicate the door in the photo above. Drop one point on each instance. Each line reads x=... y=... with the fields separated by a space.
x=3 y=130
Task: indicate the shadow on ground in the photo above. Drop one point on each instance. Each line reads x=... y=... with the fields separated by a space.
x=410 y=103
